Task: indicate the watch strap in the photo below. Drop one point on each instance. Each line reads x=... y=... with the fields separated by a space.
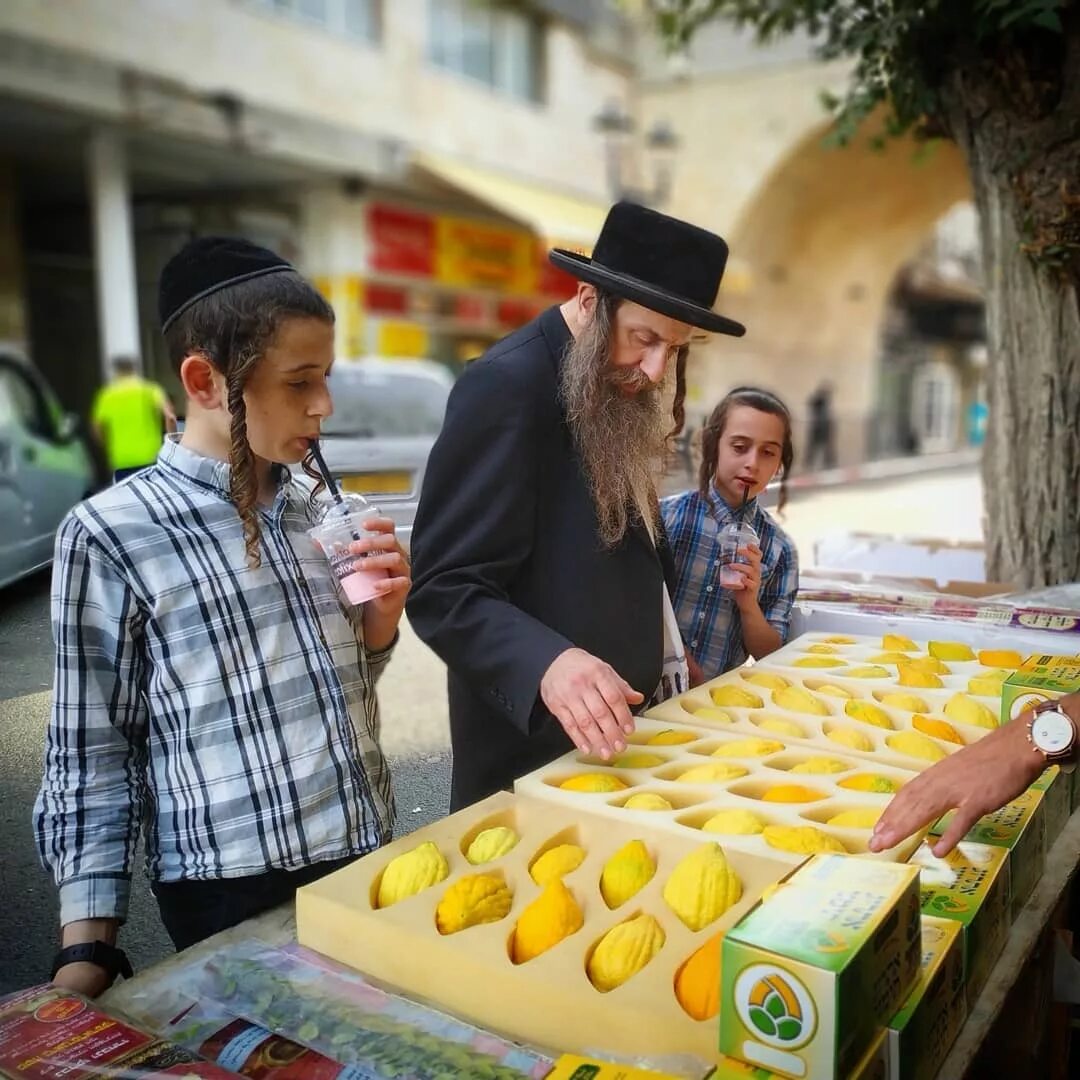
x=109 y=958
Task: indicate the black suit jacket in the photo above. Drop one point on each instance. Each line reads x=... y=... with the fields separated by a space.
x=508 y=570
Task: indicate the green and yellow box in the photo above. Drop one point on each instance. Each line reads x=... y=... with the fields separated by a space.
x=1020 y=828
x=874 y=1065
x=811 y=975
x=920 y=1034
x=1040 y=678
x=971 y=887
x=1056 y=787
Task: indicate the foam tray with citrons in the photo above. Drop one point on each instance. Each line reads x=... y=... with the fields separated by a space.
x=873 y=701
x=550 y=1000
x=783 y=786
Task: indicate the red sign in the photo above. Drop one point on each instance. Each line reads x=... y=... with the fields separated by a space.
x=551 y=281
x=517 y=312
x=402 y=241
x=386 y=299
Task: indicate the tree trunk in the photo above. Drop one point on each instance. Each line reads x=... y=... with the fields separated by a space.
x=1018 y=122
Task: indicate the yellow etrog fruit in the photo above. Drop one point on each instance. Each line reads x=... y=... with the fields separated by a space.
x=898 y=643
x=819 y=662
x=834 y=691
x=930 y=725
x=552 y=916
x=748 y=748
x=709 y=714
x=702 y=887
x=647 y=800
x=868 y=713
x=988 y=684
x=791 y=793
x=856 y=819
x=1000 y=658
x=841 y=639
x=915 y=745
x=735 y=697
x=670 y=737
x=950 y=650
x=629 y=870
x=890 y=658
x=797 y=700
x=824 y=649
x=905 y=702
x=931 y=664
x=779 y=726
x=878 y=785
x=912 y=676
x=874 y=671
x=711 y=774
x=410 y=873
x=491 y=844
x=478 y=898
x=593 y=783
x=966 y=710
x=820 y=766
x=623 y=951
x=849 y=737
x=556 y=862
x=768 y=679
x=801 y=839
x=635 y=759
x=734 y=823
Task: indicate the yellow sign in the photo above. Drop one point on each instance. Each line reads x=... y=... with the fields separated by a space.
x=402 y=339
x=345 y=292
x=470 y=255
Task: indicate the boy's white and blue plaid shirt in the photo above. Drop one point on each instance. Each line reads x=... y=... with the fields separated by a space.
x=229 y=712
x=708 y=617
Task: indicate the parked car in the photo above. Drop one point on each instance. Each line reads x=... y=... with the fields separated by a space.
x=387 y=414
x=45 y=468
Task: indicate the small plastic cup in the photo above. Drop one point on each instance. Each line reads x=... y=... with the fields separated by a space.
x=340 y=526
x=733 y=536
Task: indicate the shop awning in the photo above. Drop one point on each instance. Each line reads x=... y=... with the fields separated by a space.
x=562 y=220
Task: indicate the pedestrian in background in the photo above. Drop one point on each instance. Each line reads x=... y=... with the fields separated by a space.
x=822 y=442
x=130 y=417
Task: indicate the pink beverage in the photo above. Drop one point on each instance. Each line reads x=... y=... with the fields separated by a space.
x=341 y=526
x=733 y=536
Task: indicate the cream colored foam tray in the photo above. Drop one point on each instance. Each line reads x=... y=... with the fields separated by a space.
x=548 y=1001
x=698 y=707
x=695 y=803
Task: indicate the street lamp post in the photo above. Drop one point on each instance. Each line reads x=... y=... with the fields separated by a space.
x=617 y=128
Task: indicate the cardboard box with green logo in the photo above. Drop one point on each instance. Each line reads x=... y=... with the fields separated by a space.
x=1056 y=787
x=970 y=886
x=921 y=1033
x=1020 y=828
x=811 y=975
x=1039 y=679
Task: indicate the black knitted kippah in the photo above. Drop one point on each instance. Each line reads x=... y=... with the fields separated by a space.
x=208 y=264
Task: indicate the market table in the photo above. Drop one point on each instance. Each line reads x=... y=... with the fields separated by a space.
x=278 y=927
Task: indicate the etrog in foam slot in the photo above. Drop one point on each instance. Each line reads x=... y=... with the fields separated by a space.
x=971 y=887
x=1020 y=828
x=810 y=976
x=1039 y=679
x=921 y=1033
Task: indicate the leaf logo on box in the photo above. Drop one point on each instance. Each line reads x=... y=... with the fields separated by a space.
x=775 y=1007
x=947 y=905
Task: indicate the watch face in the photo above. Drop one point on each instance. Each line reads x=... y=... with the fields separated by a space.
x=1052 y=732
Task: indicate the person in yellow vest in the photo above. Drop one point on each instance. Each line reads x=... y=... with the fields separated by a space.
x=130 y=418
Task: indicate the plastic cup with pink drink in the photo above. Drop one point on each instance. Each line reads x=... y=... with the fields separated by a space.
x=341 y=525
x=734 y=536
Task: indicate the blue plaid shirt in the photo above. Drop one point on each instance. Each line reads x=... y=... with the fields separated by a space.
x=229 y=712
x=708 y=617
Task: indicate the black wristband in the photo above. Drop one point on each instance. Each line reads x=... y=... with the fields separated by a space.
x=111 y=960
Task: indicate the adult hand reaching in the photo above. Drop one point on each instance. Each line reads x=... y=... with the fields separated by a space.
x=591 y=701
x=974 y=781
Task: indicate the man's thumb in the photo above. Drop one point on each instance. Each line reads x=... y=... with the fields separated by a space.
x=631 y=695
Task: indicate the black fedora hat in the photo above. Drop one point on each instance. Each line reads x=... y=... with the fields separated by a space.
x=659 y=262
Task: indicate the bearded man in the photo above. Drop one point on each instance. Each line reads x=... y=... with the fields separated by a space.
x=537 y=568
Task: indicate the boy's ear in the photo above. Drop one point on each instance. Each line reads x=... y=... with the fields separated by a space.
x=202 y=382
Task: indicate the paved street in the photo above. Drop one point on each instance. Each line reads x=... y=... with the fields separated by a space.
x=413 y=707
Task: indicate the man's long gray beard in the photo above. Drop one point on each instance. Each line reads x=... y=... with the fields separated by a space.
x=620 y=438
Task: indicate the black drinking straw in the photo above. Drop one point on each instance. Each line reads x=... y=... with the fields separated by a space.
x=745 y=500
x=327 y=478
